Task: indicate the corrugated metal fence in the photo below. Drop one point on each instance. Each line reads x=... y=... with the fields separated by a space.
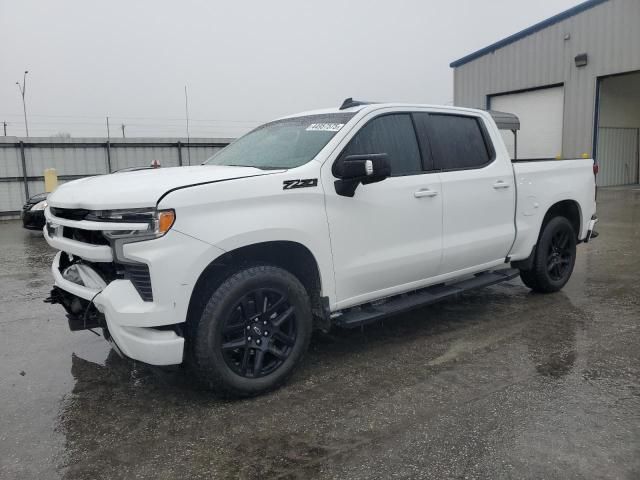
x=618 y=156
x=23 y=160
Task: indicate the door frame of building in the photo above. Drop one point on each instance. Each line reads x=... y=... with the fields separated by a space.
x=596 y=112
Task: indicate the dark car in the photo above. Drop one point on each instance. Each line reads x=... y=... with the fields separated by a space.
x=33 y=212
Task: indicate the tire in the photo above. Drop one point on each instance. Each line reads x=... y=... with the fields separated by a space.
x=554 y=258
x=252 y=333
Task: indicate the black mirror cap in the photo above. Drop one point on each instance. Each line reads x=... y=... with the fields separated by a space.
x=355 y=169
x=362 y=167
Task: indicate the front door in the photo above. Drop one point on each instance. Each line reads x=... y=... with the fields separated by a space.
x=388 y=236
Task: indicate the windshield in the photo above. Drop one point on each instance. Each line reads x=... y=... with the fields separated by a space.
x=286 y=143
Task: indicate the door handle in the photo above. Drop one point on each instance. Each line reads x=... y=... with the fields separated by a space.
x=500 y=184
x=424 y=192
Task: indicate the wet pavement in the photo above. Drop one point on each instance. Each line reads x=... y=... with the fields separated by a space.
x=498 y=383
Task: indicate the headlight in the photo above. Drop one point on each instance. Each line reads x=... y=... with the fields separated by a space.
x=39 y=206
x=158 y=222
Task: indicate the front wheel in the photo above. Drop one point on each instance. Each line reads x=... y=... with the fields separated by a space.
x=554 y=258
x=253 y=332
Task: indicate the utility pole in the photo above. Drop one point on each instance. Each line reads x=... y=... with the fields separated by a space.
x=4 y=124
x=186 y=108
x=22 y=89
x=123 y=136
x=108 y=134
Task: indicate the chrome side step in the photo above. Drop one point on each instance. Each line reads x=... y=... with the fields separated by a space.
x=370 y=313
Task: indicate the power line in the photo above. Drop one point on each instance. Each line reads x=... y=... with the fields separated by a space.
x=93 y=126
x=100 y=125
x=137 y=118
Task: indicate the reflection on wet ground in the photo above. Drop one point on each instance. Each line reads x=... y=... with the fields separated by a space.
x=496 y=383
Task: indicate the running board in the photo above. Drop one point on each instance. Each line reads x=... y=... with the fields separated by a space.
x=370 y=313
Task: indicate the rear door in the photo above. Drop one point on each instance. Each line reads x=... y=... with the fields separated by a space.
x=478 y=192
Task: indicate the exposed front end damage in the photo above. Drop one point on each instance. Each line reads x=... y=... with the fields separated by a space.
x=103 y=281
x=81 y=314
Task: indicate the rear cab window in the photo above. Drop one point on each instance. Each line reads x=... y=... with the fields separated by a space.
x=456 y=142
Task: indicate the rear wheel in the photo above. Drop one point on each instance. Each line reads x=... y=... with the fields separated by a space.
x=253 y=332
x=554 y=258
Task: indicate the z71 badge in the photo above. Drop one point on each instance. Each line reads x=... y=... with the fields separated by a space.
x=306 y=182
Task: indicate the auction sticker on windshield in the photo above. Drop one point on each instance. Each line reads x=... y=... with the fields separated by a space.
x=324 y=127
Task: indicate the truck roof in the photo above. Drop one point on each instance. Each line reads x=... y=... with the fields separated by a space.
x=503 y=120
x=367 y=107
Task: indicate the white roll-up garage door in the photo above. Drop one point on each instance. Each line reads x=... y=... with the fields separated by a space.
x=541 y=114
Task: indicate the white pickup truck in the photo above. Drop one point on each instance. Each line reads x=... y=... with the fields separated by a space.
x=340 y=216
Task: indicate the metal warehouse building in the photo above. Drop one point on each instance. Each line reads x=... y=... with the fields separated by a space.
x=574 y=81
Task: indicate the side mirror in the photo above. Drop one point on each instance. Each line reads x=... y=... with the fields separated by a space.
x=355 y=169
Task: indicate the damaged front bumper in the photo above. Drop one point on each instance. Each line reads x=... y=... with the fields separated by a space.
x=121 y=312
x=138 y=292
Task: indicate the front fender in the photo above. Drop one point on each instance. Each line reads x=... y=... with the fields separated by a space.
x=239 y=213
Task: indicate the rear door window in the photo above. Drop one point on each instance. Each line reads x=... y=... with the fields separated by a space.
x=391 y=134
x=457 y=142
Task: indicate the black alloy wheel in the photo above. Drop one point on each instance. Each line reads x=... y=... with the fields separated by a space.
x=554 y=257
x=259 y=333
x=559 y=255
x=252 y=333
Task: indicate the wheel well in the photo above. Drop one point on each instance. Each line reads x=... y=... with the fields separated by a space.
x=568 y=209
x=291 y=256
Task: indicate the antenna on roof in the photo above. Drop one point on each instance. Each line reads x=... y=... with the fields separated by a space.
x=350 y=102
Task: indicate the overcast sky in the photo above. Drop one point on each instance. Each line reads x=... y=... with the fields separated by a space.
x=244 y=62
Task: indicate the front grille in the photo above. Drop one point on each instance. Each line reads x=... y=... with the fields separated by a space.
x=138 y=274
x=92 y=237
x=69 y=213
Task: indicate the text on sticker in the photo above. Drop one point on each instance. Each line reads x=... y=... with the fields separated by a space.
x=324 y=127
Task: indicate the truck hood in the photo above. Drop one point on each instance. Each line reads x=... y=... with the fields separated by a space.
x=142 y=188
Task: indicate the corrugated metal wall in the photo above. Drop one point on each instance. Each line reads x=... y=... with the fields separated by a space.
x=610 y=35
x=80 y=157
x=618 y=156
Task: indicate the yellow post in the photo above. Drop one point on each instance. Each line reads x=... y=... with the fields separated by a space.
x=50 y=179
